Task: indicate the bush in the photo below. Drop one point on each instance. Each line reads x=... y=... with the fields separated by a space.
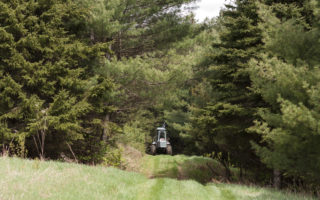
x=114 y=158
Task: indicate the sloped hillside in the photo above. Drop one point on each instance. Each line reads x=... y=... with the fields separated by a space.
x=26 y=179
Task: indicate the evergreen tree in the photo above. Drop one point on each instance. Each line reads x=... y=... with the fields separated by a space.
x=220 y=125
x=287 y=78
x=141 y=35
x=151 y=88
x=137 y=27
x=51 y=98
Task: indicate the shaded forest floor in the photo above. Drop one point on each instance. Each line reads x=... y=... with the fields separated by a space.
x=32 y=179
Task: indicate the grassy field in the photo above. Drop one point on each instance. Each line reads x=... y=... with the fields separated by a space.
x=26 y=179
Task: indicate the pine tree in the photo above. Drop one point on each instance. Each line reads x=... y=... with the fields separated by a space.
x=50 y=94
x=288 y=80
x=137 y=27
x=220 y=125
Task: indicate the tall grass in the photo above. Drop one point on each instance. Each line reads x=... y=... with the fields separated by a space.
x=26 y=179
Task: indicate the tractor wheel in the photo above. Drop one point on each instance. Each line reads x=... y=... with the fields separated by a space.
x=169 y=150
x=153 y=149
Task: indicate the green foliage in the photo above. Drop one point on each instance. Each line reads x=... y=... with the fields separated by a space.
x=46 y=83
x=289 y=84
x=178 y=101
x=288 y=39
x=58 y=89
x=227 y=107
x=300 y=10
x=78 y=77
x=290 y=127
x=136 y=133
x=113 y=157
x=137 y=27
x=149 y=87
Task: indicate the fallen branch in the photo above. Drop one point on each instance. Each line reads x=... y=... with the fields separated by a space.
x=74 y=156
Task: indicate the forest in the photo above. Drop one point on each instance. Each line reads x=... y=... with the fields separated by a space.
x=81 y=78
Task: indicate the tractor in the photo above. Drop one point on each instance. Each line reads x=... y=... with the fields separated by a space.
x=161 y=142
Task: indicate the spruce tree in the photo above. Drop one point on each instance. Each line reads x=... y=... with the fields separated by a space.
x=220 y=125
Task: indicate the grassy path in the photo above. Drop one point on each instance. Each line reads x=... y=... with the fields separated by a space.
x=25 y=179
x=181 y=167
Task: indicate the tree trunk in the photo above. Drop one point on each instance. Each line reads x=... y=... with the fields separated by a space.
x=92 y=38
x=225 y=163
x=276 y=179
x=227 y=169
x=43 y=137
x=105 y=133
x=119 y=45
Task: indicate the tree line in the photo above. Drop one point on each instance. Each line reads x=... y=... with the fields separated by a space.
x=262 y=113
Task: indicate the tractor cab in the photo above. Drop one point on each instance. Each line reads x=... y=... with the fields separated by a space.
x=161 y=142
x=162 y=137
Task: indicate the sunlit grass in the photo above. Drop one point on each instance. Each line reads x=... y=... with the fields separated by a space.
x=26 y=179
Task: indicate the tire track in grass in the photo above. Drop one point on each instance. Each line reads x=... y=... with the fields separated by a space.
x=155 y=165
x=155 y=191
